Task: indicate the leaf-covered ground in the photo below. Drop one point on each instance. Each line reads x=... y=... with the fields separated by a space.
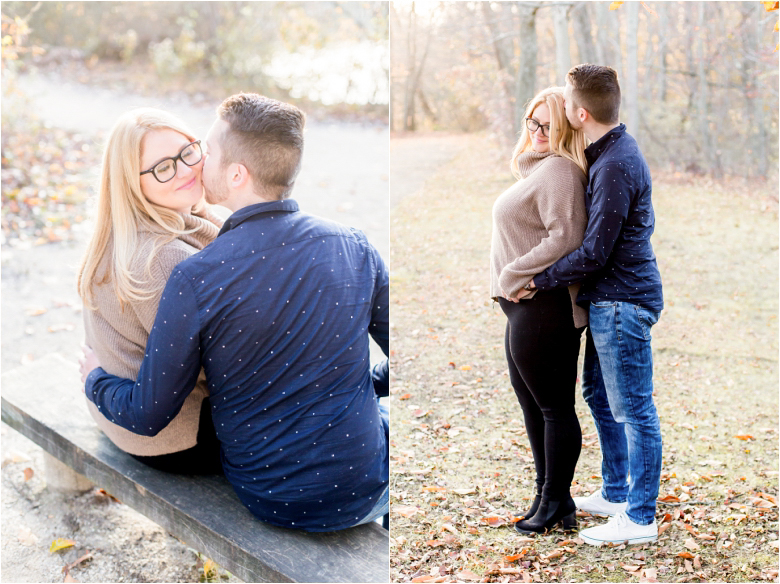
x=461 y=468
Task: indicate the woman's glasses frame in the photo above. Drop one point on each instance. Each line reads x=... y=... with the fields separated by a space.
x=173 y=160
x=533 y=125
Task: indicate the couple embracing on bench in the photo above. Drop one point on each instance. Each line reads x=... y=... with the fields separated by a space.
x=239 y=346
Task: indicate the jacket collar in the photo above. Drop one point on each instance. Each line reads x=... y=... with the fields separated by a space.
x=595 y=150
x=286 y=206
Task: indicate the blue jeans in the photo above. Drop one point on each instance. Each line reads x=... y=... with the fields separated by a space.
x=617 y=384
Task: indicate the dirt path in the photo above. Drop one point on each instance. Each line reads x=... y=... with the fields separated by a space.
x=414 y=158
x=344 y=177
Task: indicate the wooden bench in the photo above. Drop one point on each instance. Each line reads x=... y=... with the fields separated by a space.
x=44 y=402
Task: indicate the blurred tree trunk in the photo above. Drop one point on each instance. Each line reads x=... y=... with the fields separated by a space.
x=663 y=41
x=582 y=33
x=630 y=89
x=758 y=107
x=414 y=70
x=411 y=57
x=503 y=47
x=709 y=144
x=526 y=71
x=608 y=38
x=562 y=55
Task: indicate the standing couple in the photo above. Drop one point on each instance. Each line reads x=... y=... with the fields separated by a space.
x=570 y=248
x=239 y=347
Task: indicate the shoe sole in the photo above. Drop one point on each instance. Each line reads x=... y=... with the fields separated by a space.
x=629 y=541
x=602 y=513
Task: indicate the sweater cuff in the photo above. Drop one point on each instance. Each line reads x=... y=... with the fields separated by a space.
x=510 y=283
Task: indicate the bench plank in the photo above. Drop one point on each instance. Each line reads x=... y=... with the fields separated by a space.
x=44 y=402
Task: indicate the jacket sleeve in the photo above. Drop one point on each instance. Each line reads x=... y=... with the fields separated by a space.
x=562 y=211
x=169 y=370
x=611 y=190
x=379 y=328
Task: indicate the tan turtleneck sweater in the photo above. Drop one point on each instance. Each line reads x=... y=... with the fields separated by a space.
x=537 y=221
x=118 y=336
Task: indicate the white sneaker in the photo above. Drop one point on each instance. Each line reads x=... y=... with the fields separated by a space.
x=620 y=529
x=595 y=504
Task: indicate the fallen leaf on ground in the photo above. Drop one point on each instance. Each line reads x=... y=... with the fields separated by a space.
x=468 y=575
x=493 y=521
x=28 y=474
x=469 y=491
x=405 y=396
x=61 y=544
x=691 y=545
x=27 y=537
x=405 y=510
x=65 y=326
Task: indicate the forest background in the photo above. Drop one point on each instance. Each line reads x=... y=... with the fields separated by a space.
x=700 y=92
x=699 y=79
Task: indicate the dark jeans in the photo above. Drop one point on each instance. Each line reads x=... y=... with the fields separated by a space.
x=542 y=346
x=201 y=459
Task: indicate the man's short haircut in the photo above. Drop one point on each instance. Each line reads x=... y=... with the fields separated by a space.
x=595 y=88
x=266 y=136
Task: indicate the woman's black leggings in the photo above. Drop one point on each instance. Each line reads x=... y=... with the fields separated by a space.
x=201 y=459
x=542 y=346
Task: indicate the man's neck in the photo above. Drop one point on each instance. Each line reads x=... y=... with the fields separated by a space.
x=595 y=131
x=242 y=200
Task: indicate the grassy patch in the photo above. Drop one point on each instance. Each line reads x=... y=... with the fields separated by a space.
x=461 y=466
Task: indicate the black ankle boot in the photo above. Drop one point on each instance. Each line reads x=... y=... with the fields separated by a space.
x=548 y=514
x=528 y=513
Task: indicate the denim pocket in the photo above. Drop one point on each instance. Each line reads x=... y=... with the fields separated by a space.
x=604 y=303
x=646 y=318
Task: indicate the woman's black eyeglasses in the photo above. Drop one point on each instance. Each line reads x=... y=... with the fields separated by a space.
x=533 y=125
x=165 y=170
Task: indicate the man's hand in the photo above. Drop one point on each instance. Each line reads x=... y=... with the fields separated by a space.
x=522 y=293
x=87 y=363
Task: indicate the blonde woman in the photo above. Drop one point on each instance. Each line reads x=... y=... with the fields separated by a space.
x=151 y=215
x=538 y=220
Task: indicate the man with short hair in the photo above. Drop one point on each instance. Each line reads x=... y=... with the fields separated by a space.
x=621 y=286
x=278 y=311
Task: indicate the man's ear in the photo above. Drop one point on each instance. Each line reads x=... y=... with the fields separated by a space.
x=237 y=175
x=582 y=114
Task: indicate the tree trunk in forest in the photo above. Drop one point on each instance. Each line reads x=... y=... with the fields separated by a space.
x=630 y=87
x=503 y=49
x=759 y=105
x=526 y=71
x=582 y=33
x=562 y=55
x=608 y=38
x=663 y=40
x=409 y=89
x=709 y=145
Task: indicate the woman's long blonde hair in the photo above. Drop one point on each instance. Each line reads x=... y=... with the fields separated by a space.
x=123 y=210
x=564 y=140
